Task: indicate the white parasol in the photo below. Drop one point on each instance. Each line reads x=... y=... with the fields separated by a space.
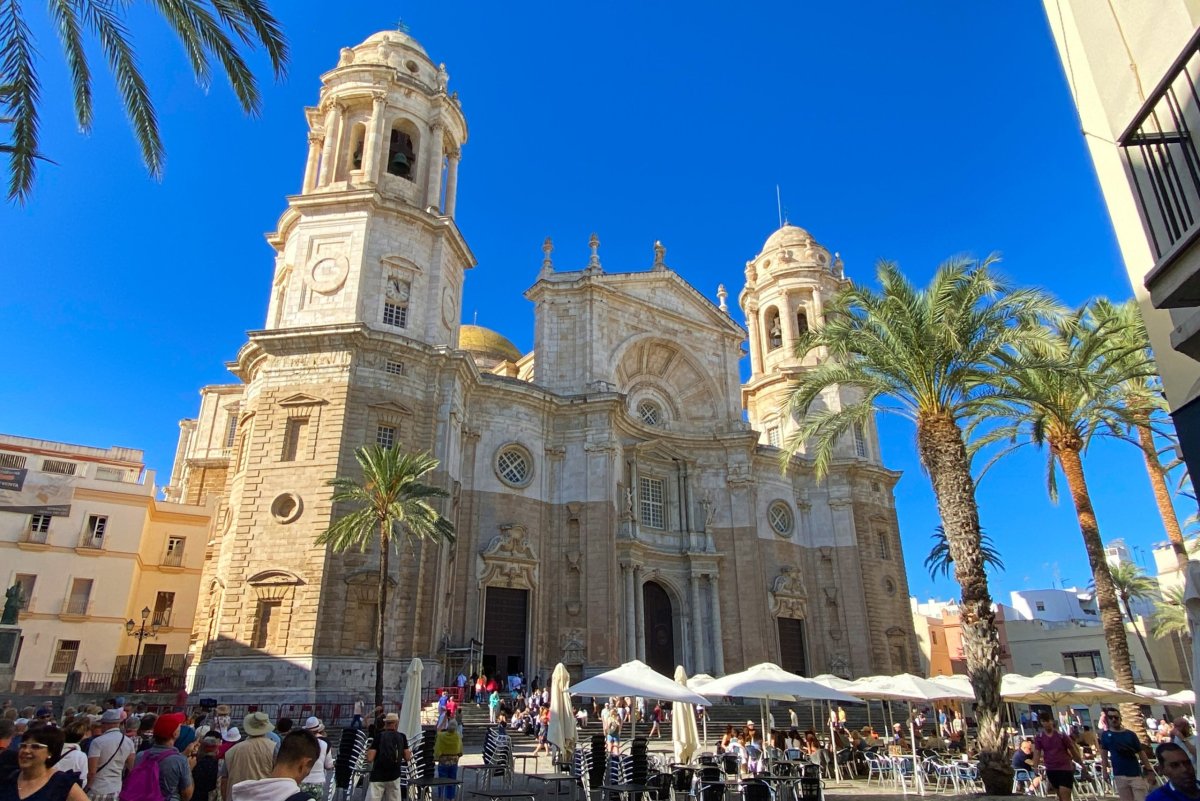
x=561 y=731
x=1053 y=689
x=1149 y=693
x=685 y=740
x=1181 y=698
x=636 y=678
x=410 y=712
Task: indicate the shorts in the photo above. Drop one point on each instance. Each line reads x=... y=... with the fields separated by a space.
x=1061 y=778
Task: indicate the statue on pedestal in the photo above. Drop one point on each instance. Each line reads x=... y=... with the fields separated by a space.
x=13 y=601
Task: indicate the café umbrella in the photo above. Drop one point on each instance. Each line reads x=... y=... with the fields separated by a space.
x=636 y=678
x=685 y=741
x=561 y=732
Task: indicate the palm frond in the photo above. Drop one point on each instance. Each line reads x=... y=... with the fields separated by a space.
x=240 y=15
x=940 y=561
x=19 y=92
x=65 y=14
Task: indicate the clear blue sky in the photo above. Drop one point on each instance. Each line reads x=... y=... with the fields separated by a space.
x=907 y=131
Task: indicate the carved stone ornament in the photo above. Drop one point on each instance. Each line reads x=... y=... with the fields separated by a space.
x=508 y=560
x=789 y=598
x=573 y=646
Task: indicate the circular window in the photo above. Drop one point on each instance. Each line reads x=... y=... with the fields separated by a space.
x=889 y=586
x=412 y=66
x=287 y=507
x=780 y=516
x=649 y=413
x=514 y=466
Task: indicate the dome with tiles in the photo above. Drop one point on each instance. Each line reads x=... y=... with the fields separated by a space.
x=480 y=341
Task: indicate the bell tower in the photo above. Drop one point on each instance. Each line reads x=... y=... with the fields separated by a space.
x=787 y=285
x=371 y=237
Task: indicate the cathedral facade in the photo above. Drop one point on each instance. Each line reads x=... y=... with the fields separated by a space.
x=616 y=493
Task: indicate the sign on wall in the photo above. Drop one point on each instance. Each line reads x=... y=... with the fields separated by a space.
x=36 y=493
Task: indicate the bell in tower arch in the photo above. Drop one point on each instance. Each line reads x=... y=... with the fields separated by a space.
x=401 y=157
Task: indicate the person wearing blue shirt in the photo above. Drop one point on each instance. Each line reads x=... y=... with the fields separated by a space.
x=1179 y=772
x=1121 y=748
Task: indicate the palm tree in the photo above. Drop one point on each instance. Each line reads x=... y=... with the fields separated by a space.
x=1132 y=584
x=1170 y=615
x=1062 y=392
x=1143 y=398
x=392 y=502
x=932 y=354
x=207 y=29
x=940 y=561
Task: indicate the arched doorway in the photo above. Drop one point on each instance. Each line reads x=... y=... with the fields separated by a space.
x=659 y=623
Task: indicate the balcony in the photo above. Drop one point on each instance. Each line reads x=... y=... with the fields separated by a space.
x=32 y=538
x=1161 y=155
x=90 y=543
x=76 y=607
x=173 y=559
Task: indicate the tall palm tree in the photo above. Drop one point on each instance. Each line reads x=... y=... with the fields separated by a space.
x=1132 y=584
x=1143 y=398
x=207 y=29
x=389 y=505
x=931 y=354
x=1170 y=615
x=1062 y=392
x=940 y=561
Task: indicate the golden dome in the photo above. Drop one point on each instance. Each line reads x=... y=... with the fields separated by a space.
x=482 y=341
x=787 y=236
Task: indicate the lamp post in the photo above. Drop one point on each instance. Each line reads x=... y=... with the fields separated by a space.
x=141 y=633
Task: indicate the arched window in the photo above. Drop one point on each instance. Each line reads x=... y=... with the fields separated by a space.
x=358 y=139
x=402 y=155
x=860 y=441
x=774 y=331
x=801 y=322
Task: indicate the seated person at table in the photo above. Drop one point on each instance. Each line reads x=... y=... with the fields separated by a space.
x=1088 y=741
x=813 y=750
x=1023 y=760
x=794 y=740
x=726 y=739
x=898 y=734
x=754 y=747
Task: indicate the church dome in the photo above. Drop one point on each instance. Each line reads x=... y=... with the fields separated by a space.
x=787 y=236
x=399 y=38
x=480 y=341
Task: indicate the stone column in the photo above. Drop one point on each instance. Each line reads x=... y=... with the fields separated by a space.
x=433 y=188
x=818 y=308
x=718 y=646
x=630 y=642
x=698 y=661
x=313 y=162
x=452 y=183
x=755 y=353
x=372 y=143
x=333 y=123
x=787 y=323
x=639 y=613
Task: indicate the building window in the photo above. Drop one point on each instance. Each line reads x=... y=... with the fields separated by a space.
x=94 y=531
x=174 y=554
x=649 y=413
x=1040 y=605
x=889 y=586
x=1083 y=664
x=394 y=367
x=514 y=466
x=163 y=604
x=801 y=322
x=80 y=597
x=26 y=581
x=860 y=441
x=58 y=466
x=266 y=624
x=110 y=474
x=395 y=315
x=358 y=138
x=385 y=436
x=651 y=502
x=773 y=436
x=932 y=637
x=231 y=426
x=293 y=438
x=396 y=293
x=39 y=524
x=65 y=654
x=883 y=544
x=13 y=461
x=780 y=516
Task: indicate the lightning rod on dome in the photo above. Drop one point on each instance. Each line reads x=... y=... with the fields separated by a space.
x=779 y=205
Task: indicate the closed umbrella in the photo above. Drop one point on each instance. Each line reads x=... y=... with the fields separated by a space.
x=561 y=731
x=410 y=712
x=685 y=740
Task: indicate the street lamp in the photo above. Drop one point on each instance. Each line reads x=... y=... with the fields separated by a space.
x=141 y=633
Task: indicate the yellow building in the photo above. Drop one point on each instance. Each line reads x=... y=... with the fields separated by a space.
x=84 y=538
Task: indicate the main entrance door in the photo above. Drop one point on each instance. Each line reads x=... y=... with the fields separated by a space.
x=659 y=622
x=505 y=618
x=793 y=656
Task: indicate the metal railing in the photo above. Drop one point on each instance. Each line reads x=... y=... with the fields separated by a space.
x=34 y=536
x=89 y=539
x=1161 y=153
x=173 y=558
x=77 y=606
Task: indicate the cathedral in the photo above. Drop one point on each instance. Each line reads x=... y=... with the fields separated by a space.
x=616 y=492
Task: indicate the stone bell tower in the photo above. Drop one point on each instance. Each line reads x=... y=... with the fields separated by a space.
x=371 y=237
x=787 y=286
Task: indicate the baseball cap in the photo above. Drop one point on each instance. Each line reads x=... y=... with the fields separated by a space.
x=166 y=725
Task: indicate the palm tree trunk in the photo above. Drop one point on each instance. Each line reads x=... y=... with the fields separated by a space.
x=1106 y=594
x=944 y=455
x=384 y=552
x=1142 y=640
x=1158 y=482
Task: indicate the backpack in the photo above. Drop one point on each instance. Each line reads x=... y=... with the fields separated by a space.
x=388 y=755
x=142 y=783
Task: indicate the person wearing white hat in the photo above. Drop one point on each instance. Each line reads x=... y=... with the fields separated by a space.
x=316 y=781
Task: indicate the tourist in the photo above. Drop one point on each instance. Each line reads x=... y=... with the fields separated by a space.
x=1056 y=751
x=229 y=739
x=1179 y=772
x=109 y=756
x=1121 y=748
x=387 y=755
x=253 y=757
x=298 y=751
x=174 y=772
x=813 y=751
x=451 y=707
x=206 y=771
x=726 y=739
x=656 y=721
x=1023 y=760
x=360 y=708
x=442 y=699
x=480 y=688
x=223 y=721
x=493 y=704
x=34 y=780
x=187 y=736
x=315 y=782
x=8 y=758
x=612 y=734
x=448 y=750
x=73 y=760
x=1183 y=736
x=1088 y=741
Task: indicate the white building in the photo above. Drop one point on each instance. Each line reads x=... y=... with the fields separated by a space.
x=84 y=538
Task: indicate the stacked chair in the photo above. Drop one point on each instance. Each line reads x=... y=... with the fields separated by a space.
x=497 y=756
x=350 y=765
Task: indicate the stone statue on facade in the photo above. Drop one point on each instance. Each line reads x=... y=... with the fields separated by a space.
x=13 y=601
